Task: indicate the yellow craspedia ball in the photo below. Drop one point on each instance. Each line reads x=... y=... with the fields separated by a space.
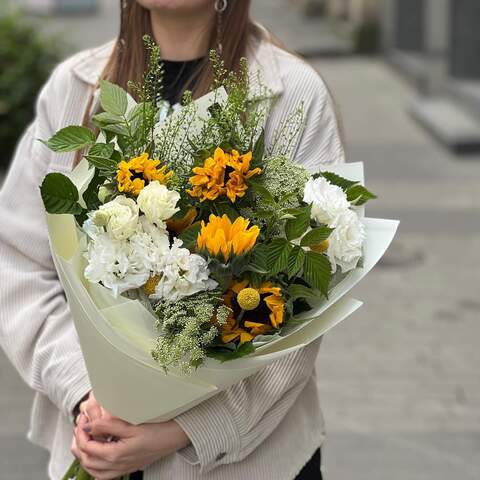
x=248 y=298
x=321 y=247
x=152 y=282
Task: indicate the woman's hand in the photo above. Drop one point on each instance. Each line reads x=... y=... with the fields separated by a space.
x=92 y=409
x=134 y=447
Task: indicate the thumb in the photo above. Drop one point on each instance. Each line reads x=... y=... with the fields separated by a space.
x=105 y=427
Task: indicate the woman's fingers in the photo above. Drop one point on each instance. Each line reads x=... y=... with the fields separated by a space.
x=74 y=448
x=91 y=408
x=105 y=427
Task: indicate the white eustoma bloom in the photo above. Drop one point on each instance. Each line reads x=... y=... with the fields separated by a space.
x=157 y=202
x=346 y=240
x=120 y=217
x=328 y=201
x=181 y=274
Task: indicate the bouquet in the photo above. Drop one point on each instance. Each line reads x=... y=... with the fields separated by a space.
x=193 y=254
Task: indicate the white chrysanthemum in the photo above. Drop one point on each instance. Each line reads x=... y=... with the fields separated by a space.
x=120 y=217
x=346 y=240
x=328 y=201
x=157 y=202
x=182 y=274
x=122 y=265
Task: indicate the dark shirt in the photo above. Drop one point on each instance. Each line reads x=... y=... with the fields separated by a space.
x=176 y=76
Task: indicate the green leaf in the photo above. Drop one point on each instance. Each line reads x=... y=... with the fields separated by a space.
x=296 y=290
x=113 y=98
x=337 y=180
x=190 y=234
x=315 y=236
x=277 y=255
x=90 y=195
x=295 y=260
x=358 y=195
x=106 y=118
x=295 y=228
x=262 y=191
x=226 y=209
x=70 y=139
x=317 y=271
x=259 y=148
x=225 y=355
x=117 y=128
x=259 y=259
x=59 y=194
x=100 y=155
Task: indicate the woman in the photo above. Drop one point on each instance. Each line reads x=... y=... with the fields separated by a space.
x=268 y=425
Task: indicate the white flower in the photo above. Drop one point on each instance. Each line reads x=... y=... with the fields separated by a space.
x=126 y=264
x=182 y=274
x=114 y=264
x=157 y=202
x=345 y=242
x=120 y=217
x=328 y=201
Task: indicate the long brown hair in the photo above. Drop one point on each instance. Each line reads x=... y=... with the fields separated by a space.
x=128 y=60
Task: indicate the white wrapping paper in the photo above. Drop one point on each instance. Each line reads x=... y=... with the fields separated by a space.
x=117 y=334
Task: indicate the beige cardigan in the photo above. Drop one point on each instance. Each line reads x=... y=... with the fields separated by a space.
x=266 y=426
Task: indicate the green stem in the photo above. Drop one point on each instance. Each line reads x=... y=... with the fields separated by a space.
x=76 y=472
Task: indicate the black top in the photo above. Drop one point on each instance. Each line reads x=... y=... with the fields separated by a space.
x=176 y=75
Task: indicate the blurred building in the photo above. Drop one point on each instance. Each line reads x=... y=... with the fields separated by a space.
x=436 y=43
x=59 y=6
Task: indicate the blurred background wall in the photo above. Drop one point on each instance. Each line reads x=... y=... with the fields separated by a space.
x=399 y=380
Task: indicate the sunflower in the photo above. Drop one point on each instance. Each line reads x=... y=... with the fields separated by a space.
x=224 y=174
x=133 y=175
x=244 y=325
x=221 y=236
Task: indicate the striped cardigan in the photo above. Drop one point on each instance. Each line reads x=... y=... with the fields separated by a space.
x=268 y=425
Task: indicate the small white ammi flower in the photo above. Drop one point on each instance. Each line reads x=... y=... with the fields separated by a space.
x=119 y=217
x=328 y=201
x=157 y=202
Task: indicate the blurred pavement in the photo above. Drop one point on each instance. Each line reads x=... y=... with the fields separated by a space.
x=399 y=379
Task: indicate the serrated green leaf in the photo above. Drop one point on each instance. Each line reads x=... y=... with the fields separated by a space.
x=278 y=252
x=100 y=155
x=90 y=195
x=225 y=355
x=259 y=259
x=107 y=118
x=315 y=236
x=262 y=191
x=60 y=195
x=317 y=271
x=190 y=234
x=295 y=260
x=296 y=290
x=295 y=228
x=117 y=129
x=70 y=139
x=358 y=195
x=339 y=181
x=113 y=98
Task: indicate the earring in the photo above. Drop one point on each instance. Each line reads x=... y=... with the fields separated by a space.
x=220 y=7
